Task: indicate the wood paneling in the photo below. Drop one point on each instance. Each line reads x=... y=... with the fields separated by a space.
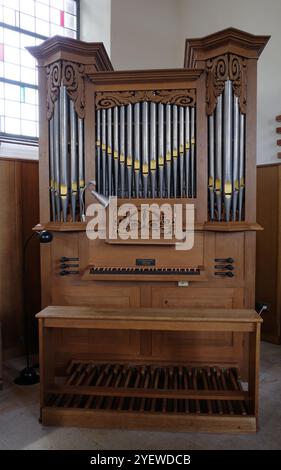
x=29 y=218
x=1 y=376
x=268 y=272
x=19 y=213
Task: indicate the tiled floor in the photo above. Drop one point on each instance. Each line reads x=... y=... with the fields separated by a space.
x=19 y=427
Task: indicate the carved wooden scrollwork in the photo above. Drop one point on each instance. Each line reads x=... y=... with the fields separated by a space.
x=72 y=78
x=53 y=84
x=226 y=67
x=118 y=98
x=238 y=75
x=69 y=74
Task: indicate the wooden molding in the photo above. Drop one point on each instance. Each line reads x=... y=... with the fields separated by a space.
x=144 y=76
x=59 y=47
x=229 y=40
x=231 y=227
x=61 y=226
x=206 y=227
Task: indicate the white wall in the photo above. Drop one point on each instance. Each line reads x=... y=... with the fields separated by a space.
x=201 y=17
x=151 y=33
x=95 y=21
x=145 y=34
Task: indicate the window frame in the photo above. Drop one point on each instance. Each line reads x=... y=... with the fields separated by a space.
x=20 y=138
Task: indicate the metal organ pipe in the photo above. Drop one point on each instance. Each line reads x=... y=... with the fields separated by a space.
x=73 y=159
x=129 y=148
x=153 y=148
x=168 y=150
x=227 y=149
x=122 y=150
x=192 y=152
x=109 y=152
x=235 y=182
x=98 y=148
x=211 y=166
x=64 y=171
x=175 y=148
x=56 y=123
x=81 y=170
x=187 y=150
x=145 y=166
x=52 y=168
x=181 y=149
x=161 y=148
x=137 y=148
x=218 y=157
x=116 y=148
x=103 y=149
x=241 y=165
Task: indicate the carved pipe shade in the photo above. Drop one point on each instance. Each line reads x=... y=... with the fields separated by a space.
x=118 y=98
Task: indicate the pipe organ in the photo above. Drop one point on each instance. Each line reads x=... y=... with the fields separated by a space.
x=176 y=136
x=226 y=156
x=146 y=149
x=66 y=157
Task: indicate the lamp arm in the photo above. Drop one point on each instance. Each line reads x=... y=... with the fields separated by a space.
x=83 y=215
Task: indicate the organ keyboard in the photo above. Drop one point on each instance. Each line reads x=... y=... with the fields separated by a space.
x=146 y=273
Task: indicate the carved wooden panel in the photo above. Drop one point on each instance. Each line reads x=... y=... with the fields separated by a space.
x=118 y=98
x=71 y=75
x=53 y=84
x=226 y=67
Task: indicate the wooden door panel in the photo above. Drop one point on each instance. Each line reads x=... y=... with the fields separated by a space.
x=177 y=297
x=99 y=342
x=204 y=348
x=98 y=296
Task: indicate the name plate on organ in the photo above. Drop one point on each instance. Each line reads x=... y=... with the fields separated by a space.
x=145 y=262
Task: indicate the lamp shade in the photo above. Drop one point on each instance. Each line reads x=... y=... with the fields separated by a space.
x=45 y=236
x=103 y=200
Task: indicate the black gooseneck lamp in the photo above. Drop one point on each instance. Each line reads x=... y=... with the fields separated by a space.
x=29 y=375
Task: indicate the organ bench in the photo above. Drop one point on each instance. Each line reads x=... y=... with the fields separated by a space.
x=79 y=388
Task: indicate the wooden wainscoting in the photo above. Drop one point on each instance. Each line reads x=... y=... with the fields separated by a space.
x=18 y=214
x=268 y=274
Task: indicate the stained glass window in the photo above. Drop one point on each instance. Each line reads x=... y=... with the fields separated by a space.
x=27 y=23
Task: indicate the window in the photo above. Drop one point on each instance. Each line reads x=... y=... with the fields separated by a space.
x=27 y=23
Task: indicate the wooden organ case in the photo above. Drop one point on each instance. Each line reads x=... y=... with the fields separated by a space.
x=177 y=136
